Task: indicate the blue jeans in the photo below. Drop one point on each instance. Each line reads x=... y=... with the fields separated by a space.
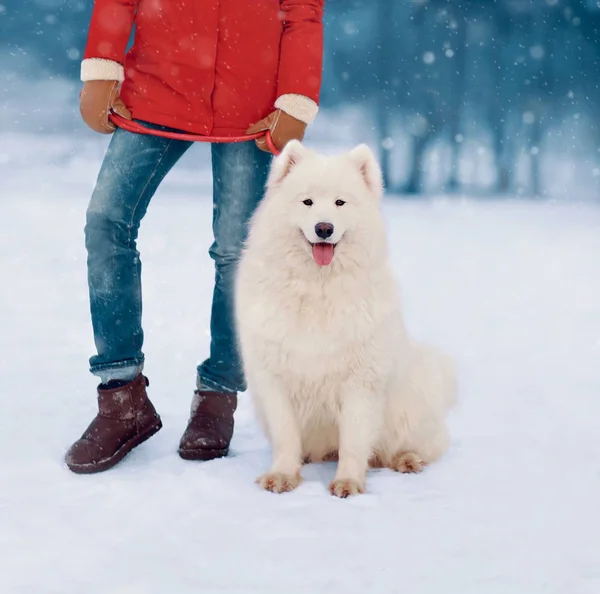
x=131 y=172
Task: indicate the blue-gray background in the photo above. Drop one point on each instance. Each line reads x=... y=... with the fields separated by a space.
x=479 y=97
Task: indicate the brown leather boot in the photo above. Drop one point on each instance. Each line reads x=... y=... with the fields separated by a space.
x=210 y=427
x=125 y=419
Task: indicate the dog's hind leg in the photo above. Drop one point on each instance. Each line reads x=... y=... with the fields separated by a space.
x=415 y=432
x=411 y=450
x=407 y=462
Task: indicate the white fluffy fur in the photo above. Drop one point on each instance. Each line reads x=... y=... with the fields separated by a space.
x=101 y=69
x=327 y=357
x=298 y=106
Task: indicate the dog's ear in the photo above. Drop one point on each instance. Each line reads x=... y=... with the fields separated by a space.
x=293 y=152
x=364 y=160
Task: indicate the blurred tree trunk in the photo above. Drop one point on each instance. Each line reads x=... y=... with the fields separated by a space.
x=536 y=104
x=590 y=28
x=415 y=182
x=384 y=95
x=497 y=109
x=420 y=139
x=457 y=93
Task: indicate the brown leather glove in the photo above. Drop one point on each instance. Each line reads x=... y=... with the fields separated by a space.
x=283 y=128
x=97 y=99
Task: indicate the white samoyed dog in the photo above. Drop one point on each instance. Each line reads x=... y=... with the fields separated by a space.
x=333 y=373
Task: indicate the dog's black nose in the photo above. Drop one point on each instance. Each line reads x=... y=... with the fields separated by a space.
x=324 y=230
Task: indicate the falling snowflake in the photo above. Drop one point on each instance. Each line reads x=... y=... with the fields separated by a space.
x=387 y=143
x=528 y=117
x=537 y=52
x=350 y=28
x=429 y=57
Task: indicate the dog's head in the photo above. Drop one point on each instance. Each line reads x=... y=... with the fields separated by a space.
x=327 y=207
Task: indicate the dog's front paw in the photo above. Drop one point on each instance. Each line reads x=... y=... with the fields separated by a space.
x=277 y=482
x=345 y=487
x=407 y=462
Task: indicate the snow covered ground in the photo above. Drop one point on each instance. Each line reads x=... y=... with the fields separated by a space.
x=512 y=289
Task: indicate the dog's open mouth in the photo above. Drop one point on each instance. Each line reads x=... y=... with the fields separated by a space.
x=323 y=252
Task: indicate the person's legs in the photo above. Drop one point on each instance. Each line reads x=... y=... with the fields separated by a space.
x=132 y=170
x=239 y=176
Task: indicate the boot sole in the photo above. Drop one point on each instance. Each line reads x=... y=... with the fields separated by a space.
x=203 y=455
x=108 y=463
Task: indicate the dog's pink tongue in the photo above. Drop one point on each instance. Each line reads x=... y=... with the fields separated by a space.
x=323 y=253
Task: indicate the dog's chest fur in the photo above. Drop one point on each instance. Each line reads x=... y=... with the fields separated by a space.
x=321 y=327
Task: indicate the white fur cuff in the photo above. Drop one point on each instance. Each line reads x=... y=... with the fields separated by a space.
x=298 y=106
x=101 y=69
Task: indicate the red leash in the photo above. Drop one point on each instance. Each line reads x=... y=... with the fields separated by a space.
x=137 y=128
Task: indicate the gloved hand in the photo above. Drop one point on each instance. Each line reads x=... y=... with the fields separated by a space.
x=97 y=98
x=283 y=128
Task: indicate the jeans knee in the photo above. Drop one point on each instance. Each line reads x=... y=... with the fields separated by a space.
x=225 y=255
x=99 y=230
x=107 y=226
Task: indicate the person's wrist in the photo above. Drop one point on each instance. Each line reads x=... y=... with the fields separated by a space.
x=101 y=69
x=300 y=107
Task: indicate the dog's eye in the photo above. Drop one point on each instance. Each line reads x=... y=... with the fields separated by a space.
x=340 y=202
x=307 y=202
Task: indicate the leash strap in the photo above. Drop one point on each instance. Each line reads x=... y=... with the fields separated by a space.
x=138 y=128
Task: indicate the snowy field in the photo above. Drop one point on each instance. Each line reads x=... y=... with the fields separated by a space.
x=512 y=289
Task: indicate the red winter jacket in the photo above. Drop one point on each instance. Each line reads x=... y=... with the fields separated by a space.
x=209 y=66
